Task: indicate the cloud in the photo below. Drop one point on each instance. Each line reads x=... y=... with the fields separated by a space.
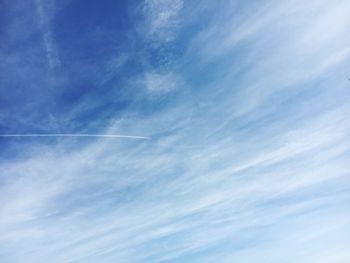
x=45 y=10
x=251 y=163
x=170 y=196
x=162 y=82
x=75 y=135
x=162 y=18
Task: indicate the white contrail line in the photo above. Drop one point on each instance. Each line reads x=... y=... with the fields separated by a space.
x=76 y=135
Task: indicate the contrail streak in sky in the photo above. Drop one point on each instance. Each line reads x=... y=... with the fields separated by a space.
x=76 y=135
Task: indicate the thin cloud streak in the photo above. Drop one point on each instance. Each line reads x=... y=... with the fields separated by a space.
x=49 y=44
x=248 y=155
x=77 y=135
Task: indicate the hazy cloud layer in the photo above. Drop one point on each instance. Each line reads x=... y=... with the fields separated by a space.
x=246 y=106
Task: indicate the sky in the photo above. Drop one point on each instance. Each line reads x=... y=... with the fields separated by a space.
x=240 y=117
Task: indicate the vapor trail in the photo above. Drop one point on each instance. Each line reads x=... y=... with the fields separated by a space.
x=76 y=135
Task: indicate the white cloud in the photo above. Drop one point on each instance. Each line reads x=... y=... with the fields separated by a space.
x=45 y=11
x=162 y=82
x=249 y=187
x=162 y=16
x=83 y=222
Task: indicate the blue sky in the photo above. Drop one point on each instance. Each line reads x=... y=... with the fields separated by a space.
x=246 y=106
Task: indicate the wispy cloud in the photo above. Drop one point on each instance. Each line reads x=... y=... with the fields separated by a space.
x=251 y=162
x=45 y=12
x=162 y=17
x=229 y=199
x=162 y=82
